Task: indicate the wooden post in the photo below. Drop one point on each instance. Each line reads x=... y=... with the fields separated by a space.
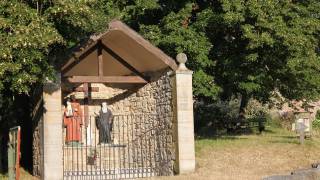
x=301 y=132
x=100 y=59
x=301 y=137
x=86 y=103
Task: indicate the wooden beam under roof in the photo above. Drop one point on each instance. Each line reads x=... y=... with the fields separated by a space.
x=124 y=62
x=77 y=59
x=100 y=59
x=106 y=79
x=83 y=51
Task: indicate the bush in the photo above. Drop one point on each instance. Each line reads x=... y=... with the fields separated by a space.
x=286 y=119
x=255 y=110
x=214 y=118
x=316 y=121
x=210 y=118
x=274 y=119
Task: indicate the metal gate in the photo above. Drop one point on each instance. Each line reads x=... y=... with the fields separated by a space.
x=130 y=154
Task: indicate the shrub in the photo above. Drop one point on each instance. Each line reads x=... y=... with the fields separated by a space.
x=286 y=119
x=316 y=121
x=255 y=110
x=274 y=119
x=209 y=118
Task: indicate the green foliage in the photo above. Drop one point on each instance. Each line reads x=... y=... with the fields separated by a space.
x=211 y=118
x=76 y=20
x=25 y=42
x=316 y=121
x=261 y=46
x=235 y=47
x=256 y=110
x=32 y=33
x=30 y=30
x=175 y=33
x=273 y=120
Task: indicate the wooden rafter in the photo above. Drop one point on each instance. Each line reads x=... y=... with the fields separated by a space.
x=82 y=89
x=124 y=62
x=106 y=79
x=100 y=59
x=70 y=64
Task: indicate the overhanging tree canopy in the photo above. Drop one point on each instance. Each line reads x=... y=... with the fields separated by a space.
x=250 y=48
x=234 y=46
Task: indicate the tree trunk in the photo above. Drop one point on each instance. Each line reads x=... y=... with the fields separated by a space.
x=243 y=105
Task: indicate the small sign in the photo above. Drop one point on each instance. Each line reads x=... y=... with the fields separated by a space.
x=302 y=124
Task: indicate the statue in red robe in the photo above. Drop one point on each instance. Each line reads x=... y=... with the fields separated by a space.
x=73 y=120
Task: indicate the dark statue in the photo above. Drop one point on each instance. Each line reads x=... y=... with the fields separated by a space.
x=104 y=124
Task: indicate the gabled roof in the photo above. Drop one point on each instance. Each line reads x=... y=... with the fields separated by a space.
x=123 y=52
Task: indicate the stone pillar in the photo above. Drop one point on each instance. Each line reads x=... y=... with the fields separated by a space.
x=52 y=162
x=183 y=118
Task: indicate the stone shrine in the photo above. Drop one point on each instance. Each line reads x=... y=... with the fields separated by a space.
x=149 y=95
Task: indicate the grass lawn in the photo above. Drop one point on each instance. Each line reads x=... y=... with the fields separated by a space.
x=249 y=157
x=246 y=157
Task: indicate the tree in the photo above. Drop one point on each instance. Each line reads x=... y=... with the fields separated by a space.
x=26 y=39
x=32 y=33
x=264 y=46
x=235 y=47
x=176 y=33
x=250 y=47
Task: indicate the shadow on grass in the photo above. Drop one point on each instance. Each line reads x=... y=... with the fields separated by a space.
x=221 y=137
x=232 y=135
x=284 y=141
x=286 y=137
x=3 y=175
x=269 y=131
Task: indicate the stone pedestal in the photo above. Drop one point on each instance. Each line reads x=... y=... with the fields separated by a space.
x=183 y=119
x=52 y=163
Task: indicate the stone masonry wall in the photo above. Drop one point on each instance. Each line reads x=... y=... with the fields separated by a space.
x=37 y=119
x=143 y=121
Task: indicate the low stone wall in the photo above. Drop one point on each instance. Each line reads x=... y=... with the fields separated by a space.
x=37 y=120
x=36 y=149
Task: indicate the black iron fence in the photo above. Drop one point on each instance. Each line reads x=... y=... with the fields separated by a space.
x=130 y=153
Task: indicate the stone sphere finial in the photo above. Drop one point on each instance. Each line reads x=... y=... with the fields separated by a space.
x=182 y=59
